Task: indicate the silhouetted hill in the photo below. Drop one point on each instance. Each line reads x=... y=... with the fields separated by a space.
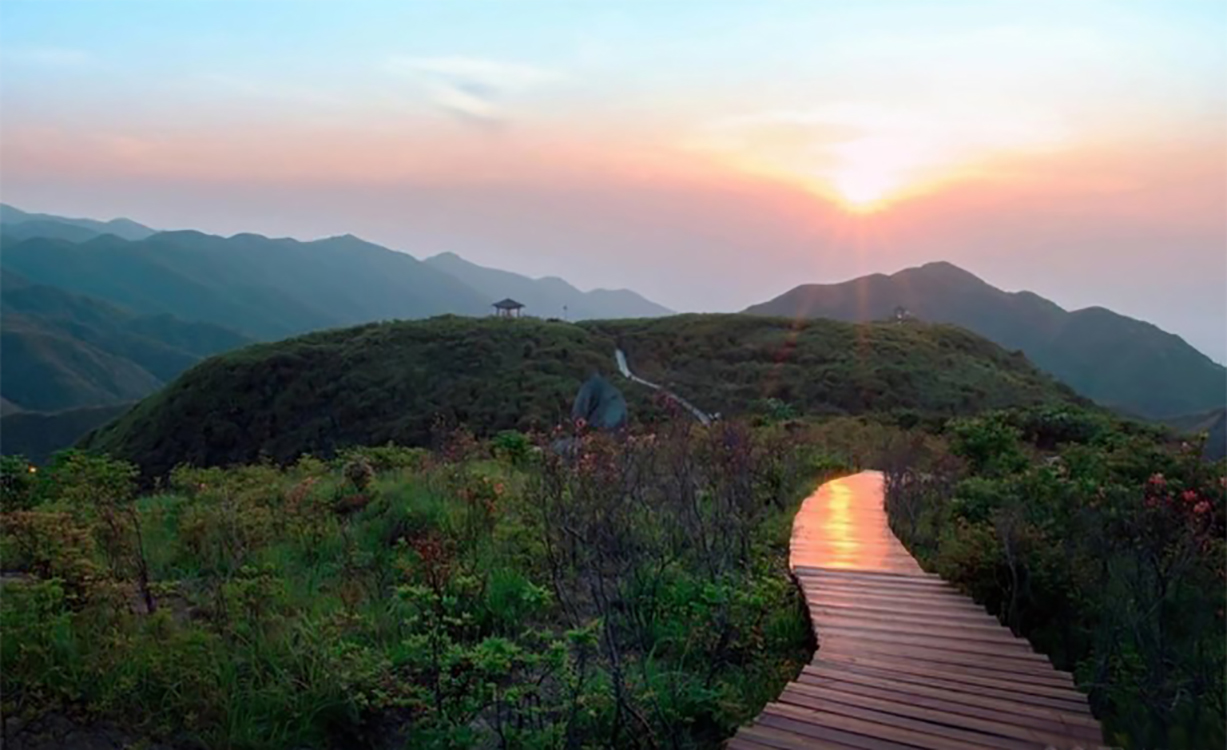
x=549 y=297
x=268 y=288
x=49 y=225
x=391 y=381
x=1113 y=359
x=38 y=435
x=63 y=351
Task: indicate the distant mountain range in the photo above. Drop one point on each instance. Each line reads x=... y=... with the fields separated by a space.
x=548 y=297
x=97 y=313
x=62 y=350
x=38 y=435
x=266 y=288
x=20 y=224
x=103 y=313
x=1113 y=359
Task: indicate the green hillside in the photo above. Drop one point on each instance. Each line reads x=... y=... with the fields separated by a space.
x=1116 y=360
x=392 y=381
x=64 y=351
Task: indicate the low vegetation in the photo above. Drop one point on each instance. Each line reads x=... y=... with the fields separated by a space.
x=630 y=593
x=1102 y=543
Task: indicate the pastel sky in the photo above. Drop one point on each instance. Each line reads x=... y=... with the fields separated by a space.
x=707 y=154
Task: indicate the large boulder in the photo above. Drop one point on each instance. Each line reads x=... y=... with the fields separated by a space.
x=600 y=405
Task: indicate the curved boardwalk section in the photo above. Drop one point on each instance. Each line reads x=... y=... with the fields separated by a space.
x=904 y=660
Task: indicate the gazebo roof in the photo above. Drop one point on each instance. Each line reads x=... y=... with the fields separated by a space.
x=508 y=304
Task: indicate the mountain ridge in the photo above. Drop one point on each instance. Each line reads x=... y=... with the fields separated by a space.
x=1114 y=359
x=548 y=296
x=122 y=228
x=65 y=351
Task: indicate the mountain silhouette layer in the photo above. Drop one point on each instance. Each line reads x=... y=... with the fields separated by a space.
x=549 y=297
x=64 y=351
x=1113 y=359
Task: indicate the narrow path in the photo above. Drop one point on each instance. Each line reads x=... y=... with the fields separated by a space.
x=904 y=660
x=699 y=414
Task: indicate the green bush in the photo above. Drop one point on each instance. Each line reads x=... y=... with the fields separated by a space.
x=535 y=604
x=1109 y=556
x=511 y=446
x=18 y=484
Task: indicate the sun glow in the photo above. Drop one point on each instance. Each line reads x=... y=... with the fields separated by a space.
x=862 y=190
x=866 y=156
x=870 y=171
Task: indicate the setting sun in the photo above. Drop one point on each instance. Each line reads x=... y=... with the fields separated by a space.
x=862 y=191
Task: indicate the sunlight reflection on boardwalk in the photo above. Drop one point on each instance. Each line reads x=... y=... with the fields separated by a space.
x=904 y=660
x=843 y=525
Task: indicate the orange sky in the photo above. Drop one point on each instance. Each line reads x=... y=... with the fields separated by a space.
x=708 y=157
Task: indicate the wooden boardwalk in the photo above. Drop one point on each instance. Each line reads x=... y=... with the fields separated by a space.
x=904 y=660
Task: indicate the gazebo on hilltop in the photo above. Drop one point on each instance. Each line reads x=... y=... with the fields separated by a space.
x=508 y=308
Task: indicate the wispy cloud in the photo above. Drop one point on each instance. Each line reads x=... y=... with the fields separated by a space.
x=473 y=89
x=52 y=57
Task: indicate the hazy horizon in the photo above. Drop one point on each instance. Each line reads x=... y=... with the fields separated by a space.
x=706 y=156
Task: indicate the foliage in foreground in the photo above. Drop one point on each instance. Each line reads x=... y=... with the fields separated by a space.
x=1100 y=543
x=632 y=594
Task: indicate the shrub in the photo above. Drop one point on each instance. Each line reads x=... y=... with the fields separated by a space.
x=358 y=472
x=511 y=446
x=18 y=484
x=1108 y=556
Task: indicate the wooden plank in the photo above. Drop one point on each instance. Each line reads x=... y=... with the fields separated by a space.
x=837 y=651
x=781 y=740
x=939 y=655
x=881 y=619
x=918 y=720
x=1020 y=650
x=937 y=597
x=989 y=732
x=1060 y=698
x=944 y=592
x=869 y=578
x=956 y=712
x=999 y=637
x=893 y=610
x=1006 y=710
x=871 y=728
x=772 y=717
x=914 y=606
x=823 y=570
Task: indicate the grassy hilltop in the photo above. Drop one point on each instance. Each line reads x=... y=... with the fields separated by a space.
x=394 y=381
